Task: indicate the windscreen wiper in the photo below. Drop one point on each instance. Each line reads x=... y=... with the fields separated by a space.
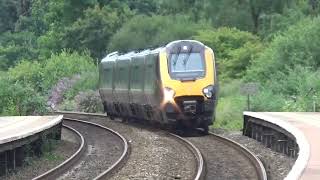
x=187 y=57
x=177 y=56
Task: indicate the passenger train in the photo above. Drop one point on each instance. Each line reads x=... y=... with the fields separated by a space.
x=171 y=85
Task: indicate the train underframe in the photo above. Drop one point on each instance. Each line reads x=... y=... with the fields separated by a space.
x=183 y=113
x=191 y=112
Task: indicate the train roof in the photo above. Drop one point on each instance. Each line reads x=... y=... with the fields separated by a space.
x=179 y=41
x=115 y=55
x=126 y=56
x=110 y=57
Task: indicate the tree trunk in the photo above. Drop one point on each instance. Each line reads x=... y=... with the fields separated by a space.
x=255 y=13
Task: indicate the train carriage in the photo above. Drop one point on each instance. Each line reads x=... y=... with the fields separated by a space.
x=175 y=84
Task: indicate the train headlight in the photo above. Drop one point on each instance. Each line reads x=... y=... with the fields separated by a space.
x=208 y=91
x=168 y=94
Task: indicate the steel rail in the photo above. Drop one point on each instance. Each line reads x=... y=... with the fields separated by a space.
x=255 y=161
x=123 y=156
x=54 y=172
x=196 y=152
x=67 y=164
x=200 y=162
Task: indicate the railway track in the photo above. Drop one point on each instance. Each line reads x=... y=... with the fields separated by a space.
x=98 y=156
x=216 y=157
x=181 y=151
x=226 y=159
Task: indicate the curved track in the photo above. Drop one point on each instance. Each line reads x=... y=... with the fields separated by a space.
x=67 y=163
x=198 y=172
x=86 y=162
x=217 y=157
x=226 y=159
x=197 y=154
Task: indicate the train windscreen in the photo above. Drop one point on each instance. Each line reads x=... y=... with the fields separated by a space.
x=186 y=65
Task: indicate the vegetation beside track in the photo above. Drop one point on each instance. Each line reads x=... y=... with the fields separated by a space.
x=274 y=43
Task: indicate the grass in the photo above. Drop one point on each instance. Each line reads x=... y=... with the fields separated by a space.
x=231 y=105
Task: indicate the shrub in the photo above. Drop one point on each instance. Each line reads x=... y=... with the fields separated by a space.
x=229 y=112
x=266 y=100
x=19 y=99
x=230 y=106
x=86 y=81
x=66 y=64
x=27 y=72
x=89 y=101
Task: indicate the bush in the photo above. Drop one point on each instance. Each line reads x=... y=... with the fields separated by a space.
x=66 y=64
x=87 y=81
x=19 y=99
x=27 y=72
x=230 y=106
x=24 y=88
x=89 y=102
x=266 y=100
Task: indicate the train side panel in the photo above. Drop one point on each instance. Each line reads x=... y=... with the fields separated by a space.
x=153 y=88
x=121 y=80
x=152 y=80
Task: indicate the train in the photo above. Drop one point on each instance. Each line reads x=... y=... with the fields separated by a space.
x=174 y=85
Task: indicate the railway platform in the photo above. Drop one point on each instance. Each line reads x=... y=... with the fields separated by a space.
x=21 y=136
x=293 y=133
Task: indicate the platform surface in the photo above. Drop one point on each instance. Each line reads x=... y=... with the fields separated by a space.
x=309 y=125
x=17 y=127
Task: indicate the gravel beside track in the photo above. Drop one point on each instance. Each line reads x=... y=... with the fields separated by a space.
x=277 y=164
x=222 y=160
x=155 y=154
x=103 y=150
x=62 y=151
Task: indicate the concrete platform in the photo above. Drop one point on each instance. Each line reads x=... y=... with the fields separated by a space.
x=22 y=136
x=305 y=127
x=18 y=127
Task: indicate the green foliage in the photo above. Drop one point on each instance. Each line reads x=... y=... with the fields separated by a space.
x=234 y=49
x=65 y=65
x=27 y=72
x=299 y=46
x=147 y=7
x=15 y=47
x=144 y=31
x=24 y=88
x=87 y=81
x=95 y=29
x=18 y=99
x=276 y=23
x=11 y=12
x=295 y=91
x=89 y=101
x=284 y=58
x=266 y=100
x=230 y=106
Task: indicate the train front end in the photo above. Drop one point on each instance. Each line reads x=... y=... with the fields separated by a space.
x=189 y=83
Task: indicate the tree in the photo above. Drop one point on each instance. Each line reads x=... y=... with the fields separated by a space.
x=95 y=29
x=15 y=47
x=8 y=15
x=234 y=50
x=298 y=46
x=146 y=32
